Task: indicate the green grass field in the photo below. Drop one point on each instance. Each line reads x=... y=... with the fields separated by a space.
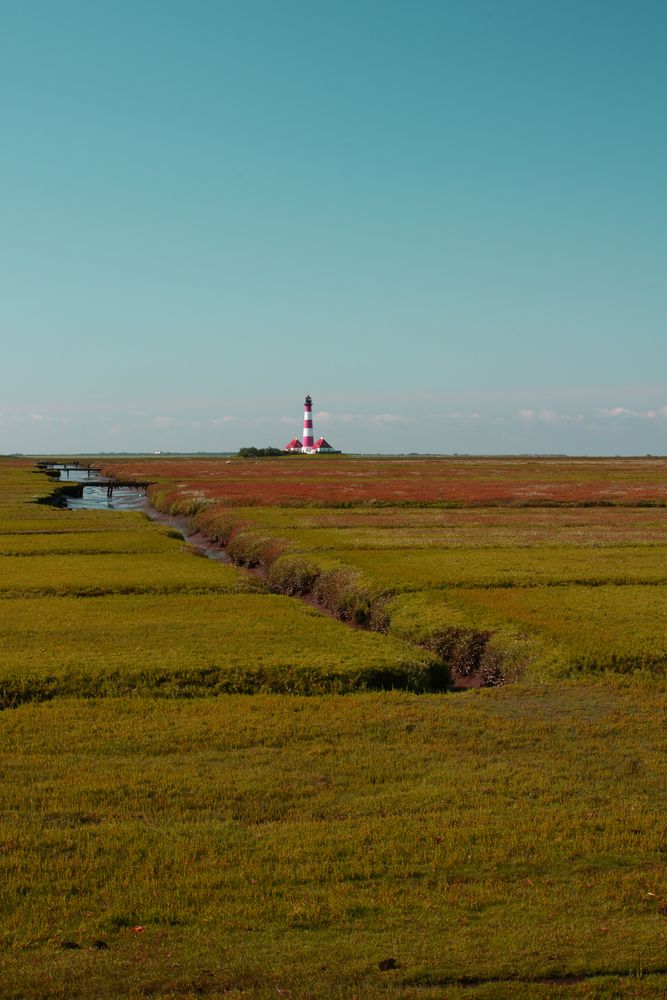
x=406 y=570
x=85 y=542
x=183 y=644
x=118 y=573
x=546 y=632
x=623 y=627
x=271 y=846
x=408 y=527
x=97 y=610
x=583 y=589
x=163 y=837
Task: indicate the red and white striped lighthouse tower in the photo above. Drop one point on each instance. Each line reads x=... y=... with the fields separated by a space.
x=308 y=439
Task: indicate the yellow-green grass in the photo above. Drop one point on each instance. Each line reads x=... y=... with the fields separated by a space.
x=547 y=632
x=30 y=519
x=143 y=559
x=182 y=645
x=20 y=480
x=73 y=621
x=383 y=564
x=592 y=628
x=400 y=527
x=377 y=562
x=373 y=537
x=150 y=572
x=86 y=542
x=405 y=570
x=492 y=844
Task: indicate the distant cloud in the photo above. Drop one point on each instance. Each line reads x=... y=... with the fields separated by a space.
x=551 y=417
x=390 y=419
x=378 y=420
x=456 y=415
x=623 y=411
x=221 y=421
x=324 y=417
x=162 y=423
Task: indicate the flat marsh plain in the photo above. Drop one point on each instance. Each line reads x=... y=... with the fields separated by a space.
x=211 y=788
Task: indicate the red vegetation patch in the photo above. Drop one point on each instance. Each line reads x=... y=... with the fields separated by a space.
x=348 y=481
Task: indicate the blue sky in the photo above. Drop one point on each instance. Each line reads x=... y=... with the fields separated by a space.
x=444 y=220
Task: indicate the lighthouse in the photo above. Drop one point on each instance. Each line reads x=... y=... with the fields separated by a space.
x=309 y=446
x=308 y=439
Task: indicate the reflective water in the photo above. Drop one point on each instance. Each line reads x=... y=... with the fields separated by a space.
x=95 y=497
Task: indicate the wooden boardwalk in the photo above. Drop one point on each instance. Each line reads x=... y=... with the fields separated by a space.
x=111 y=484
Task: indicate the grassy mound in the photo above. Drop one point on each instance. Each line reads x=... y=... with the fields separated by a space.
x=183 y=645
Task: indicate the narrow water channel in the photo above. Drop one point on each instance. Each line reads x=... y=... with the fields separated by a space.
x=131 y=498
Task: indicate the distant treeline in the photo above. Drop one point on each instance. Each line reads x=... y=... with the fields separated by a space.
x=260 y=452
